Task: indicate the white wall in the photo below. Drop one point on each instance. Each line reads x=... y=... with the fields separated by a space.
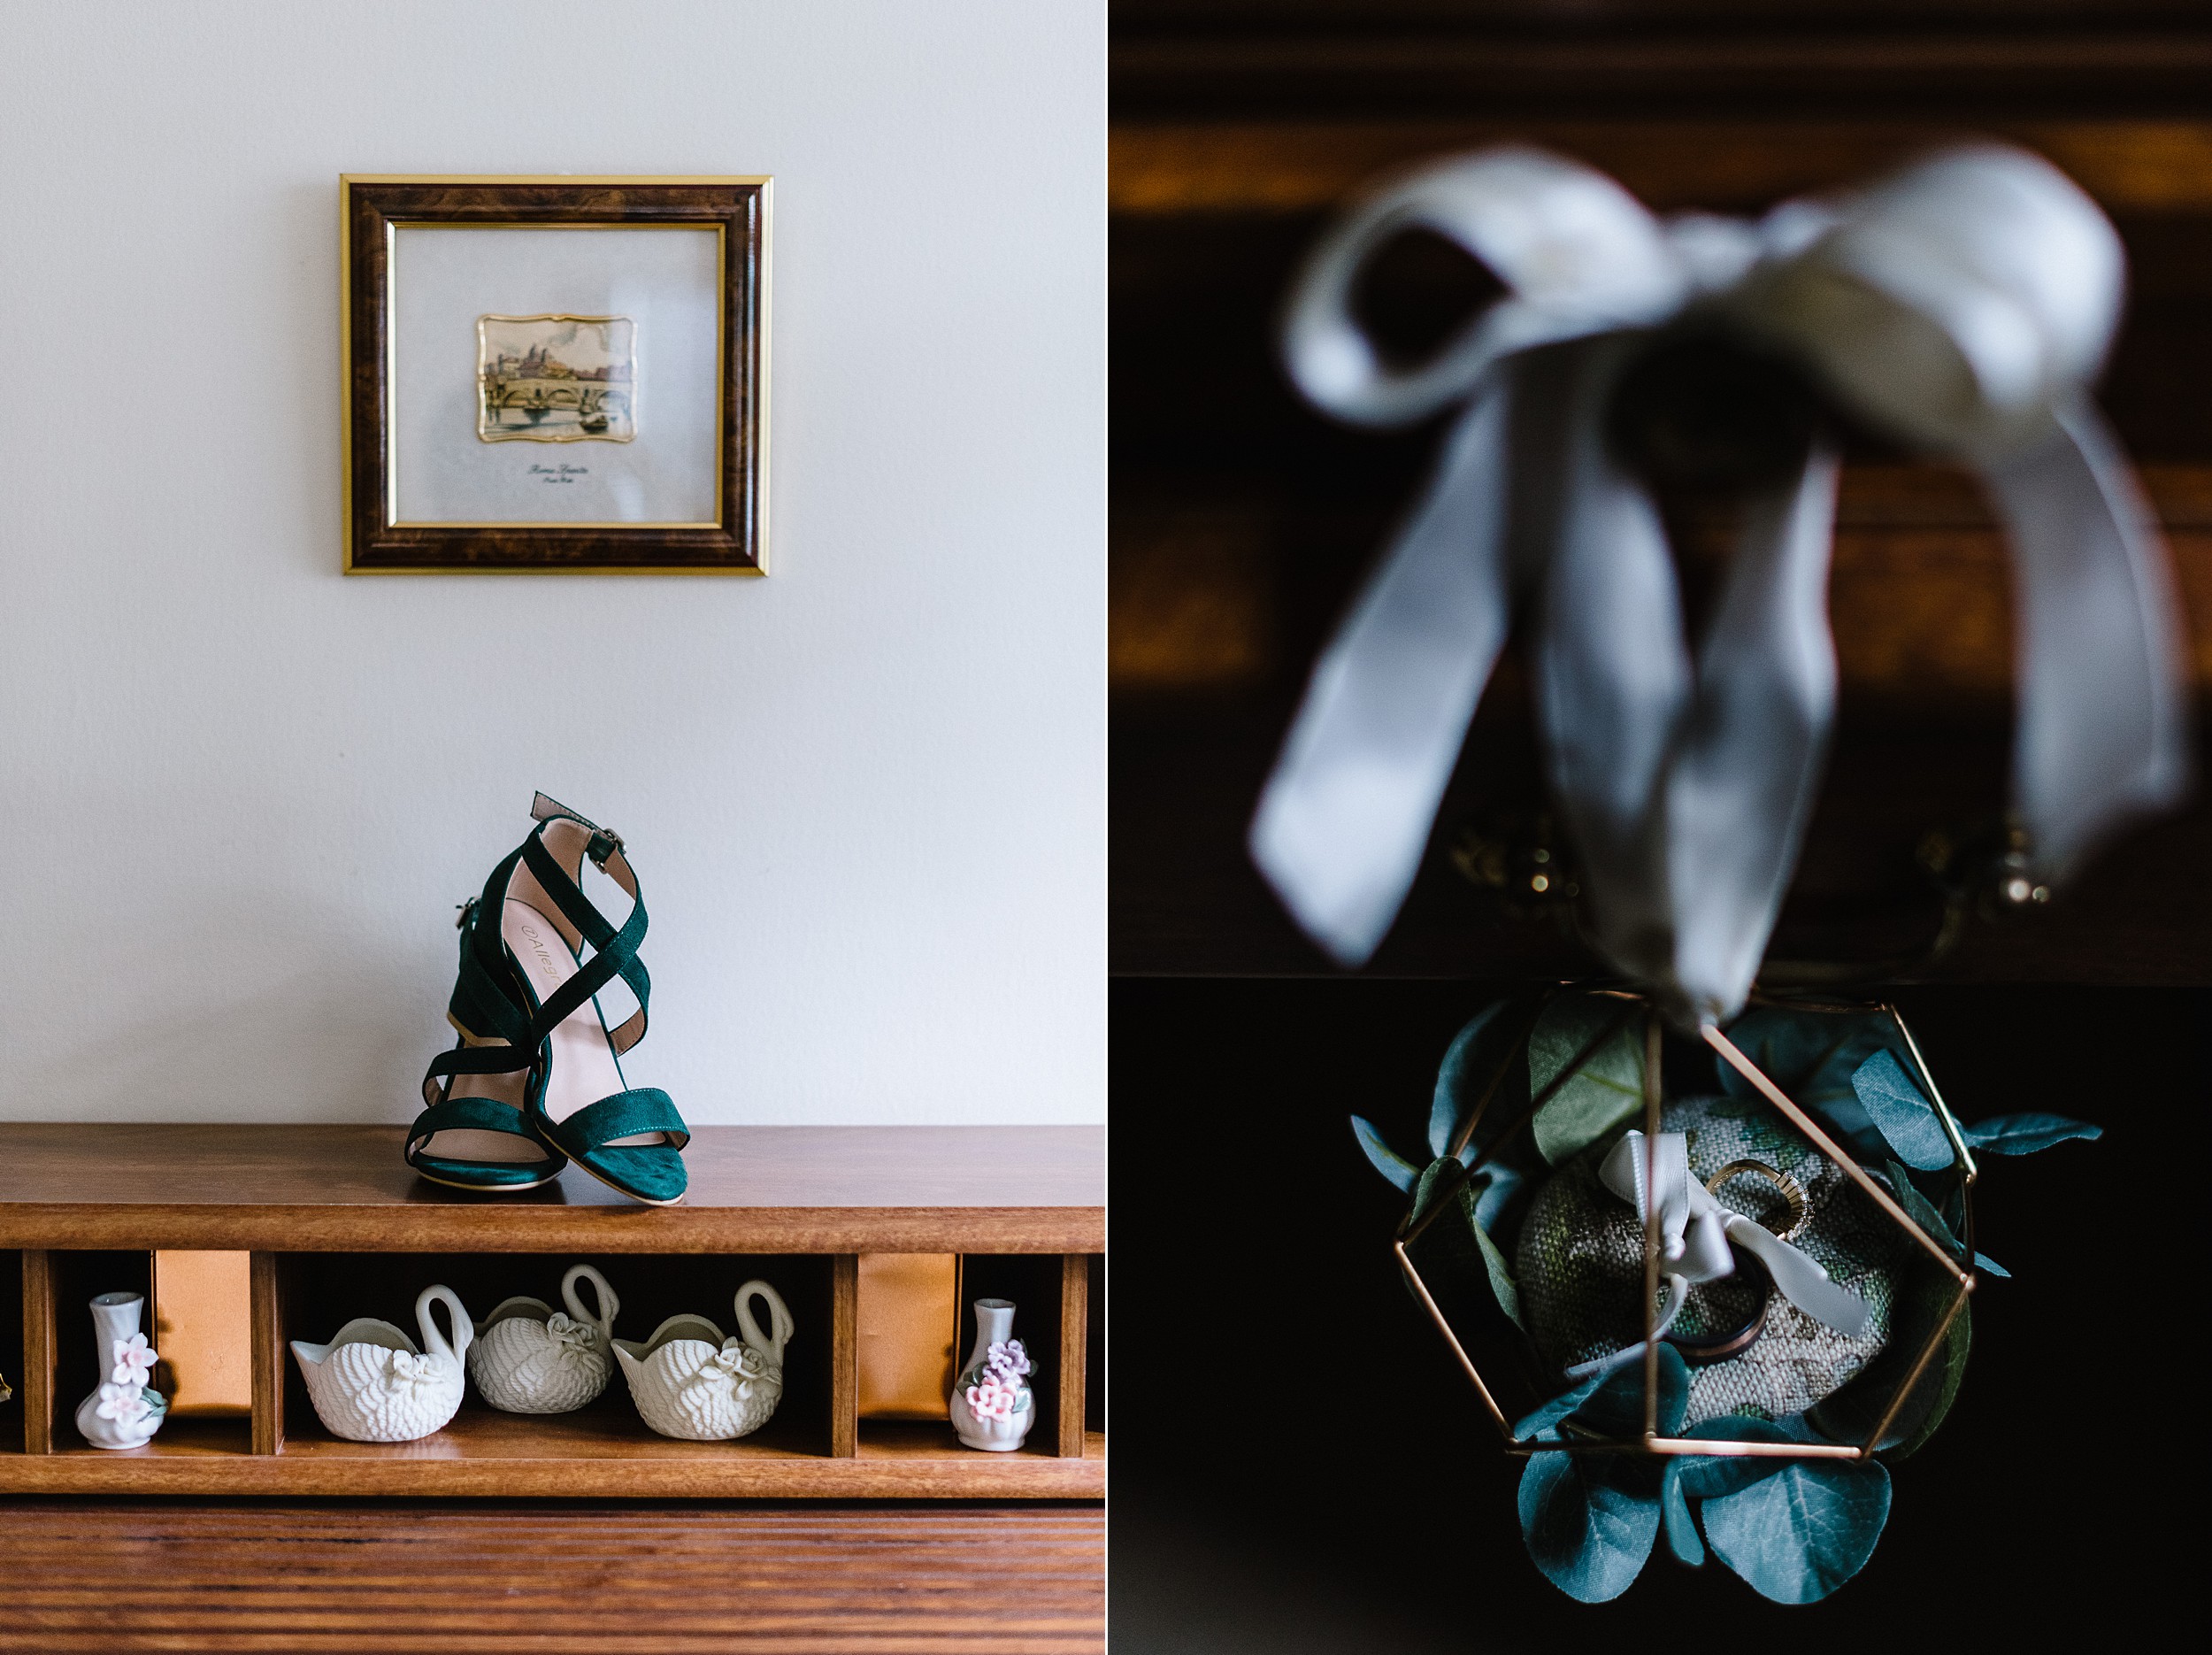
x=243 y=794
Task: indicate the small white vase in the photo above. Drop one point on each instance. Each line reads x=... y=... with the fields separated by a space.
x=134 y=1411
x=994 y=1435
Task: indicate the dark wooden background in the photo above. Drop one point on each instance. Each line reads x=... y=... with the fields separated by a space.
x=1242 y=520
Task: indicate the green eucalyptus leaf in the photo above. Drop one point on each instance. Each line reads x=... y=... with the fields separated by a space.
x=2025 y=1134
x=1850 y=1415
x=1990 y=1267
x=1501 y=1274
x=1475 y=1053
x=1454 y=1234
x=1616 y=1407
x=1604 y=1094
x=1810 y=1055
x=1499 y=1185
x=1798 y=1534
x=1920 y=1209
x=1674 y=1512
x=1709 y=1476
x=1558 y=1408
x=1386 y=1161
x=1589 y=1522
x=1899 y=1112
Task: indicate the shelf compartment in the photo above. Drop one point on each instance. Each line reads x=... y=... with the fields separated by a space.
x=912 y=1441
x=1050 y=1295
x=11 y=1351
x=195 y=1437
x=318 y=1293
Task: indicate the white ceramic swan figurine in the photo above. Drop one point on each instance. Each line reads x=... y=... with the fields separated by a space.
x=528 y=1358
x=371 y=1385
x=689 y=1382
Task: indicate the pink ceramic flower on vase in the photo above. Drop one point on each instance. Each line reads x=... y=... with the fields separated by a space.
x=135 y=1358
x=992 y=1406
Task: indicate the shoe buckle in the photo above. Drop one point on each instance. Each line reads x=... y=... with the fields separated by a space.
x=461 y=918
x=604 y=843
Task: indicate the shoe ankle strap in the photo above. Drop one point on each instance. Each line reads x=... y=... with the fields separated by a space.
x=604 y=845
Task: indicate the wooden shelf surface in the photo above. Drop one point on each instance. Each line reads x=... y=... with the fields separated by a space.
x=757 y=1189
x=598 y=1453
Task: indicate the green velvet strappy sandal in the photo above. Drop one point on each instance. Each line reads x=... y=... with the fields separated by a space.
x=527 y=1008
x=472 y=1134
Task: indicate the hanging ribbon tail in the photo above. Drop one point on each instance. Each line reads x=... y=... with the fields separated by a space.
x=1612 y=672
x=1346 y=815
x=1677 y=1295
x=2103 y=716
x=1749 y=759
x=1801 y=1282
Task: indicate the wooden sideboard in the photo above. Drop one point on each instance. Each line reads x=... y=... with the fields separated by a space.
x=339 y=1228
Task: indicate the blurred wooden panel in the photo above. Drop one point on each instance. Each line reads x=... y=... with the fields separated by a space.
x=1279 y=167
x=1919 y=600
x=1188 y=599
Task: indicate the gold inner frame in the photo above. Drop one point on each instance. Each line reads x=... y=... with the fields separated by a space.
x=393 y=226
x=1650 y=1442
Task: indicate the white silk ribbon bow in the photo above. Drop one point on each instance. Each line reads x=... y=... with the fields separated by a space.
x=1962 y=305
x=1694 y=1233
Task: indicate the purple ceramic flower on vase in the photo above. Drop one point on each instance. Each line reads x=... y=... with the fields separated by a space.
x=992 y=1406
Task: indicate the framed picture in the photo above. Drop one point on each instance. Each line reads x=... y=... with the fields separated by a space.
x=548 y=375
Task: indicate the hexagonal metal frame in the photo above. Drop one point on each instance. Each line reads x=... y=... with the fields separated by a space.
x=1650 y=1442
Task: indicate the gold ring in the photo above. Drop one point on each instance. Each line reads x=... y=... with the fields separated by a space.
x=1793 y=1192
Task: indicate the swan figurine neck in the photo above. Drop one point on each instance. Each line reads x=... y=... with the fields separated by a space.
x=530 y=1358
x=692 y=1382
x=371 y=1384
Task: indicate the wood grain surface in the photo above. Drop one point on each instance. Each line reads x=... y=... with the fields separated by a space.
x=484 y=1455
x=37 y=1385
x=1075 y=1325
x=95 y=1576
x=310 y=1188
x=844 y=1401
x=1289 y=166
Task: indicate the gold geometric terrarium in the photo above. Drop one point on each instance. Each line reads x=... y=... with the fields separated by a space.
x=1616 y=1018
x=1812 y=1223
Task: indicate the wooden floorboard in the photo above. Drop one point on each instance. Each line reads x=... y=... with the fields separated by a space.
x=762 y=1580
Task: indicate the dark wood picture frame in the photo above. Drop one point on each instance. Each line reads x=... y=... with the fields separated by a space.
x=375 y=206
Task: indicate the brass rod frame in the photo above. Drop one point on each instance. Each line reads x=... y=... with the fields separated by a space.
x=1408 y=1230
x=1650 y=1442
x=1465 y=1131
x=1695 y=1446
x=1962 y=1157
x=1912 y=1380
x=1651 y=1226
x=1436 y=1315
x=1829 y=1147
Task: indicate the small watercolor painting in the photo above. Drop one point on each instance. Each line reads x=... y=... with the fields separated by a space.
x=556 y=379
